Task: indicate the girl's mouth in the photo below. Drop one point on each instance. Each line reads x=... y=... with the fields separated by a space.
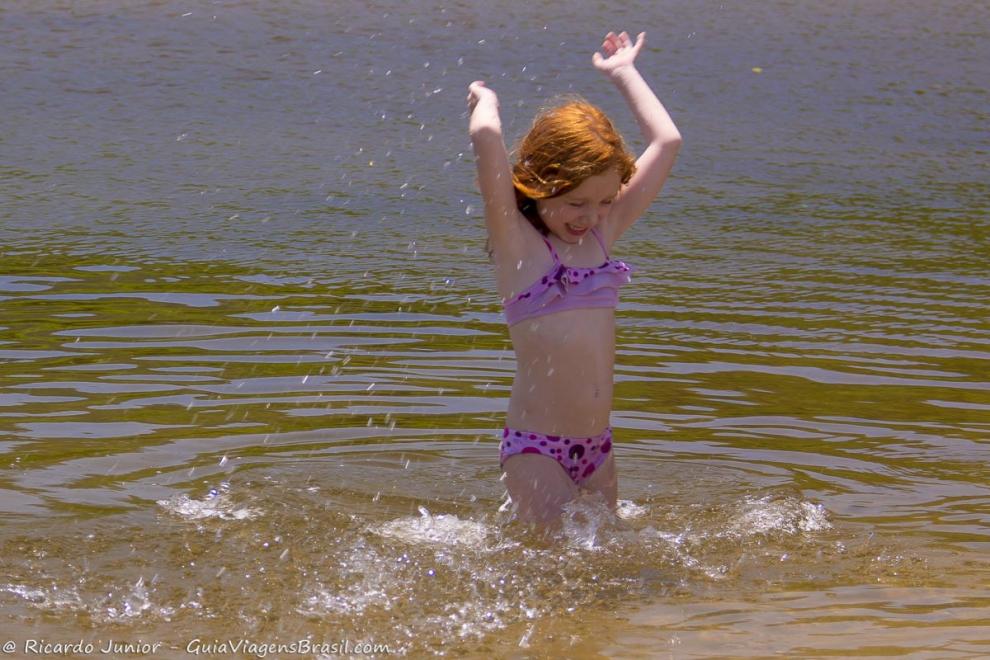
x=574 y=231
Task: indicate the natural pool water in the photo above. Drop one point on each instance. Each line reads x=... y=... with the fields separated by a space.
x=252 y=364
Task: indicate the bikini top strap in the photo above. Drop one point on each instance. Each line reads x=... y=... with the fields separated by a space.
x=594 y=232
x=553 y=252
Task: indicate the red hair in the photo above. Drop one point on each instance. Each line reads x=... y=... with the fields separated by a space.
x=566 y=144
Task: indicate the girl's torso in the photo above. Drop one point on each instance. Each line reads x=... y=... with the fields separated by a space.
x=564 y=370
x=561 y=318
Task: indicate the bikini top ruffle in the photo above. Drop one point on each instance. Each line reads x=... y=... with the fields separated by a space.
x=563 y=287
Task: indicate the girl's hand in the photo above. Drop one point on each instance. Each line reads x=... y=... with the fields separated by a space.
x=620 y=52
x=476 y=92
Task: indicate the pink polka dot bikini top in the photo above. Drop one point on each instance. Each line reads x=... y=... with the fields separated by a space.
x=562 y=287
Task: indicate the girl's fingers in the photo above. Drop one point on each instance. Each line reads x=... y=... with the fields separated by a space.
x=622 y=40
x=613 y=43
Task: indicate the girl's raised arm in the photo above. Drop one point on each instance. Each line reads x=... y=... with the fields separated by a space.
x=663 y=138
x=494 y=171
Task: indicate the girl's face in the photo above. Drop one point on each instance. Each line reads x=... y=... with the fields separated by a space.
x=572 y=215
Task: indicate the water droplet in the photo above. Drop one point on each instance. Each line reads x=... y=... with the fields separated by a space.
x=524 y=640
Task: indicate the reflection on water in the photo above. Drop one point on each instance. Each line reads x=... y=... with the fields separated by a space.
x=251 y=365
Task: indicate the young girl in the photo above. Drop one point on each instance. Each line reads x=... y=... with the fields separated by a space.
x=552 y=218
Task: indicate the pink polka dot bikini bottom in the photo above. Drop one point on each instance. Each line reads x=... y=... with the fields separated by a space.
x=579 y=457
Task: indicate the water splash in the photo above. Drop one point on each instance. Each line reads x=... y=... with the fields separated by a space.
x=128 y=603
x=363 y=582
x=118 y=604
x=629 y=510
x=47 y=598
x=438 y=529
x=768 y=515
x=588 y=522
x=216 y=504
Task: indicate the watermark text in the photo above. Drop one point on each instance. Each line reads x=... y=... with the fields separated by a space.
x=239 y=647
